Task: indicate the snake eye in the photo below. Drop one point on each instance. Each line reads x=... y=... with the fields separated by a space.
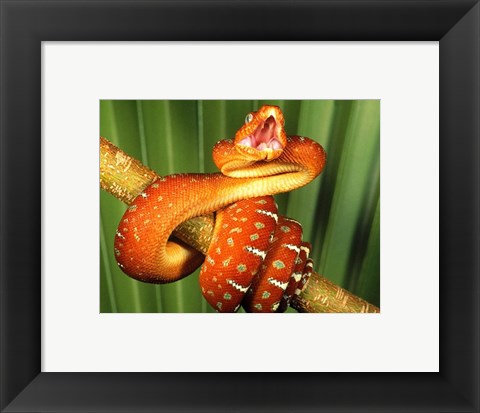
x=249 y=118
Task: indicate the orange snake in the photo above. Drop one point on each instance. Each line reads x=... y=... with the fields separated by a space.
x=256 y=258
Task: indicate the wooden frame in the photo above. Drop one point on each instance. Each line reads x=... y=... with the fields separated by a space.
x=455 y=24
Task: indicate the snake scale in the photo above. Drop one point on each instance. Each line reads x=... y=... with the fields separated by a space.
x=256 y=258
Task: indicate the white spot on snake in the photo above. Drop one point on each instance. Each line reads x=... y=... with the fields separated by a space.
x=226 y=262
x=256 y=251
x=236 y=229
x=119 y=235
x=210 y=260
x=268 y=213
x=238 y=286
x=307 y=250
x=292 y=247
x=277 y=283
x=144 y=195
x=160 y=198
x=297 y=276
x=292 y=220
x=275 y=306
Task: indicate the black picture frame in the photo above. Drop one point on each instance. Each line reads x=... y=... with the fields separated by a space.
x=25 y=24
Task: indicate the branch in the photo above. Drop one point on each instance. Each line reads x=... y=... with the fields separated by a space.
x=125 y=177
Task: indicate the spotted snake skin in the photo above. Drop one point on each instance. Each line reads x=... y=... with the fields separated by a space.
x=256 y=258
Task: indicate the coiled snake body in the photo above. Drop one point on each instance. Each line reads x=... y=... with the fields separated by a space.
x=256 y=258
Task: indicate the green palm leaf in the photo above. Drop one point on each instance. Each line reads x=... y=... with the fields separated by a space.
x=340 y=210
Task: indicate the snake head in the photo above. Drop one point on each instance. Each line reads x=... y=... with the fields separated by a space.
x=263 y=136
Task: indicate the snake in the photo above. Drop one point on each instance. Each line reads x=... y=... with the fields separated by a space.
x=256 y=258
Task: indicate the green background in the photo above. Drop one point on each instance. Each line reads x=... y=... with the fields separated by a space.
x=339 y=211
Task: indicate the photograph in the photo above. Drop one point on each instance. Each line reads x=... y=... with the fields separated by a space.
x=240 y=206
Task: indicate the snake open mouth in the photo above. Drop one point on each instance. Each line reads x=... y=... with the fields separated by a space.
x=265 y=136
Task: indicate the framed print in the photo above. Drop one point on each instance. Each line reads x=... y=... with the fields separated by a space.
x=87 y=365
